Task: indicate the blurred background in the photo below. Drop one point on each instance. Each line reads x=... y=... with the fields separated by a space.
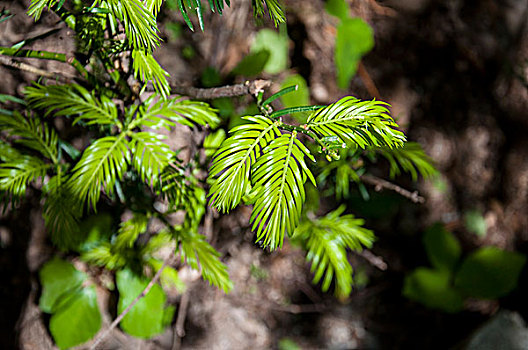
x=446 y=273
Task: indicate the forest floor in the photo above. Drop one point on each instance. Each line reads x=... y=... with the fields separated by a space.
x=456 y=74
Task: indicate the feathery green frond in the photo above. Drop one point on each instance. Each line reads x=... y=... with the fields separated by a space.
x=72 y=100
x=129 y=231
x=104 y=255
x=7 y=152
x=362 y=123
x=278 y=178
x=153 y=6
x=326 y=240
x=410 y=159
x=140 y=24
x=197 y=253
x=37 y=6
x=150 y=155
x=32 y=133
x=165 y=113
x=16 y=174
x=60 y=215
x=157 y=242
x=147 y=68
x=172 y=185
x=101 y=165
x=232 y=162
x=195 y=6
x=274 y=8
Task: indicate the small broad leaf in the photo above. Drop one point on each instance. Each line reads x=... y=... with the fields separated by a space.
x=442 y=248
x=490 y=273
x=145 y=319
x=338 y=8
x=354 y=39
x=168 y=315
x=252 y=64
x=77 y=319
x=58 y=277
x=169 y=278
x=475 y=223
x=277 y=45
x=432 y=289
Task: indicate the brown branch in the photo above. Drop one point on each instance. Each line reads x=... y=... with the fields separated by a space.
x=179 y=330
x=374 y=260
x=367 y=81
x=145 y=291
x=29 y=68
x=380 y=184
x=247 y=88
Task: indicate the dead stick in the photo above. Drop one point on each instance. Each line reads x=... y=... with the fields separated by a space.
x=379 y=184
x=26 y=67
x=129 y=307
x=180 y=321
x=367 y=80
x=247 y=88
x=374 y=260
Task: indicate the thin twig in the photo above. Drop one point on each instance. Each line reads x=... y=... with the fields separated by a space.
x=367 y=80
x=26 y=67
x=247 y=88
x=380 y=184
x=145 y=291
x=179 y=330
x=374 y=260
x=46 y=55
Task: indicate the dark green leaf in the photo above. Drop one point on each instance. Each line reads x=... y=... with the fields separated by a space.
x=338 y=8
x=442 y=247
x=354 y=40
x=277 y=45
x=490 y=273
x=77 y=320
x=145 y=319
x=432 y=289
x=252 y=64
x=475 y=223
x=58 y=277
